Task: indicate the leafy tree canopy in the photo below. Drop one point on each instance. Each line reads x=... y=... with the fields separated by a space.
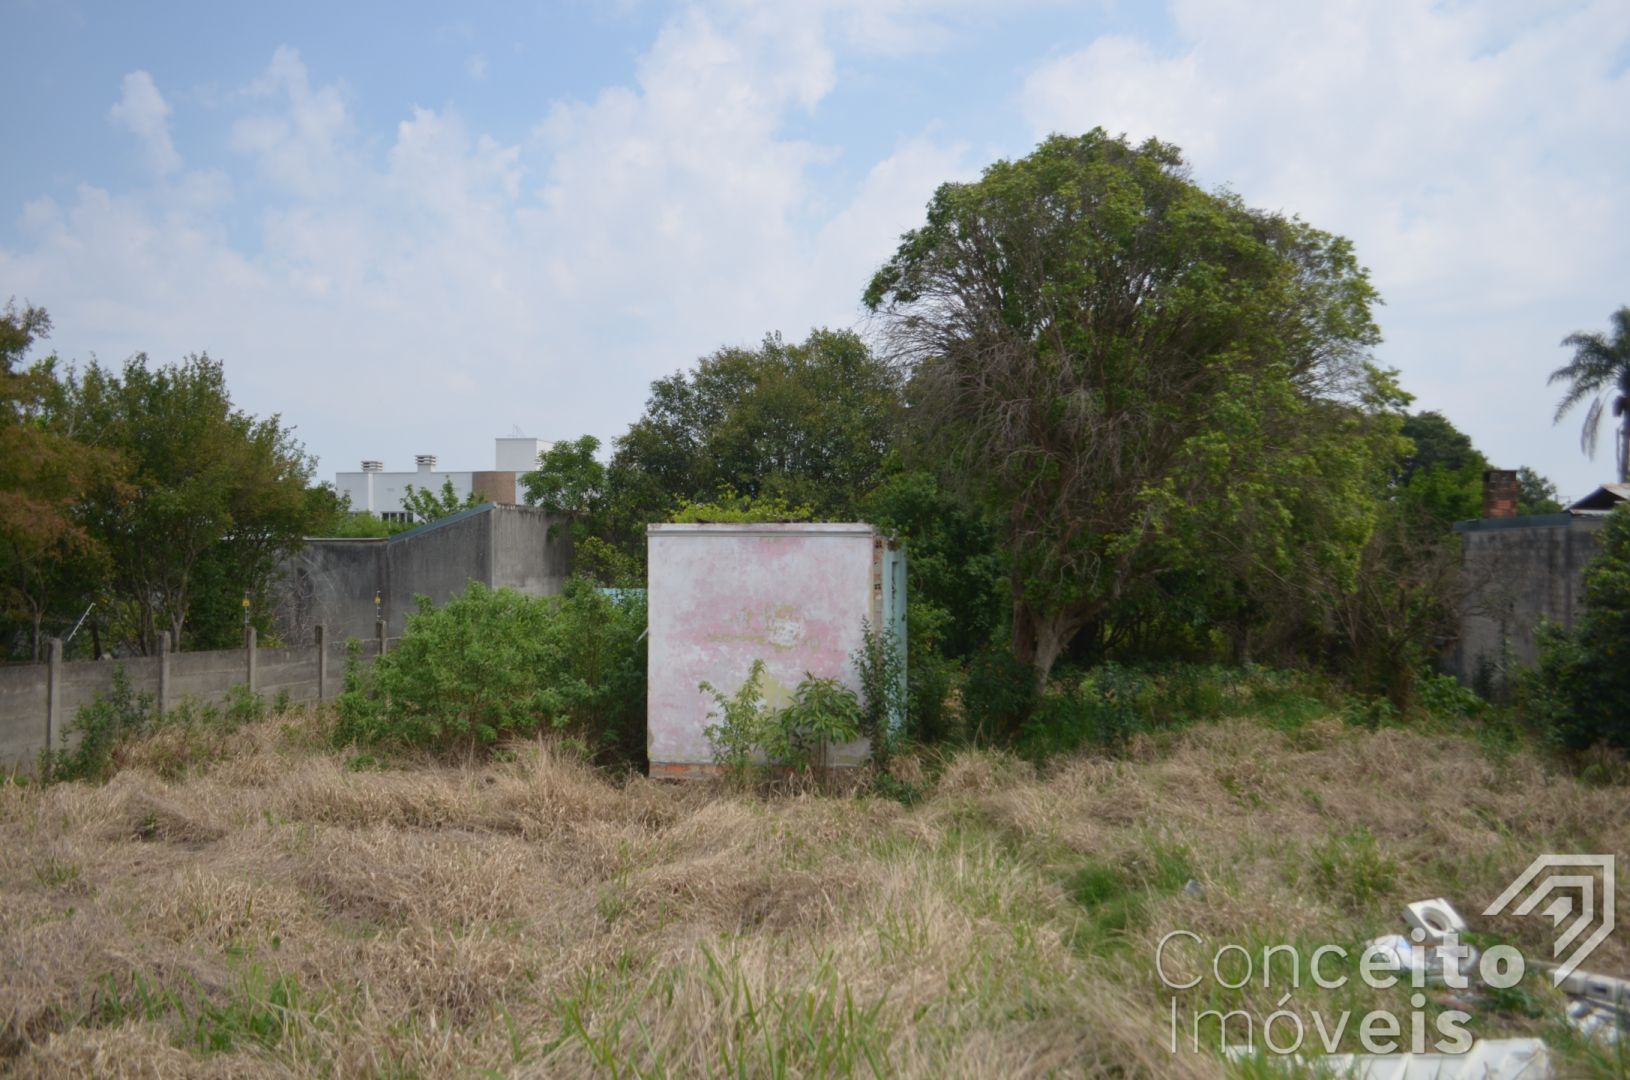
x=569 y=478
x=210 y=495
x=808 y=423
x=48 y=560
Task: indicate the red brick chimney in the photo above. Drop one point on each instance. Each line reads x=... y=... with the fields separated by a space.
x=1500 y=493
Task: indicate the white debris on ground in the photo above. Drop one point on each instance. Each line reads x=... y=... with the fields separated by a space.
x=1488 y=1059
x=1598 y=1007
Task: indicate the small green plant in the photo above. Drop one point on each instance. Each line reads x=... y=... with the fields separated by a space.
x=243 y=706
x=823 y=713
x=1105 y=709
x=880 y=662
x=1350 y=868
x=742 y=717
x=728 y=507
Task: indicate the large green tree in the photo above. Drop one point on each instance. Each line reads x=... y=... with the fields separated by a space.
x=1138 y=375
x=809 y=424
x=214 y=499
x=1600 y=372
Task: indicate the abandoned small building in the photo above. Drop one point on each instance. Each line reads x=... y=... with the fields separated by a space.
x=795 y=596
x=1521 y=572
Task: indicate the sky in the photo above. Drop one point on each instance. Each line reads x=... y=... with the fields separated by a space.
x=408 y=231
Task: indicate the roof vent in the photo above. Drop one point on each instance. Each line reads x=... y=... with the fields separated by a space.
x=373 y=466
x=426 y=462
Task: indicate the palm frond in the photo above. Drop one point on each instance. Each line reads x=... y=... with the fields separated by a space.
x=1580 y=390
x=1587 y=434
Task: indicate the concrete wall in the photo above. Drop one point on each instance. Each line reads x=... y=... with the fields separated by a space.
x=531 y=551
x=722 y=596
x=333 y=582
x=438 y=560
x=23 y=700
x=39 y=703
x=1519 y=572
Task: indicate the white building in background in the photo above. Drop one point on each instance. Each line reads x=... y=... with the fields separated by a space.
x=380 y=492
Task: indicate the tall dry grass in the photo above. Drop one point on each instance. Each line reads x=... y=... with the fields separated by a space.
x=273 y=912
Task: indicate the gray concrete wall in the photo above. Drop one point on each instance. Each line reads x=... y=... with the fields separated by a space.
x=22 y=712
x=29 y=716
x=438 y=561
x=1519 y=572
x=531 y=551
x=333 y=582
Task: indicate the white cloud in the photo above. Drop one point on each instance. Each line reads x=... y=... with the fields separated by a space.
x=299 y=139
x=419 y=288
x=1474 y=156
x=143 y=112
x=475 y=66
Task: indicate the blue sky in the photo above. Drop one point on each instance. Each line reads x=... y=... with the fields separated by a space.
x=409 y=232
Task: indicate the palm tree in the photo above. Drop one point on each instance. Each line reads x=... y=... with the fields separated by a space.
x=1601 y=369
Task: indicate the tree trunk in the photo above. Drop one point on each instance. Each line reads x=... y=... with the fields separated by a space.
x=1039 y=640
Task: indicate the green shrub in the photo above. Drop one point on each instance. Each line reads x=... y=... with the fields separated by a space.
x=122 y=716
x=1443 y=697
x=488 y=664
x=822 y=713
x=1104 y=709
x=1579 y=696
x=999 y=695
x=930 y=675
x=101 y=727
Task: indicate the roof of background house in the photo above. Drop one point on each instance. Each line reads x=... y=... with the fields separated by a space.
x=1602 y=500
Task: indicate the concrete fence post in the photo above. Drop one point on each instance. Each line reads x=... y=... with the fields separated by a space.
x=249 y=647
x=379 y=632
x=53 y=696
x=322 y=663
x=163 y=672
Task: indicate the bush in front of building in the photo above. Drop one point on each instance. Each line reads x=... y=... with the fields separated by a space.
x=1579 y=695
x=492 y=664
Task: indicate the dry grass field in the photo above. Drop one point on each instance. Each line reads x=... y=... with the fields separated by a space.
x=260 y=905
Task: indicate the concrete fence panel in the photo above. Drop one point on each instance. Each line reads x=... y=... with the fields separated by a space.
x=22 y=712
x=39 y=703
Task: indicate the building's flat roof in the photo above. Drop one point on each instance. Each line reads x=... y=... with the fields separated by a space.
x=767 y=528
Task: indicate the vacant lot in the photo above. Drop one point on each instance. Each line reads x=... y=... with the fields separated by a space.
x=275 y=909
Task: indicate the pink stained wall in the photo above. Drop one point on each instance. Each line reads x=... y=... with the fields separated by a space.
x=722 y=596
